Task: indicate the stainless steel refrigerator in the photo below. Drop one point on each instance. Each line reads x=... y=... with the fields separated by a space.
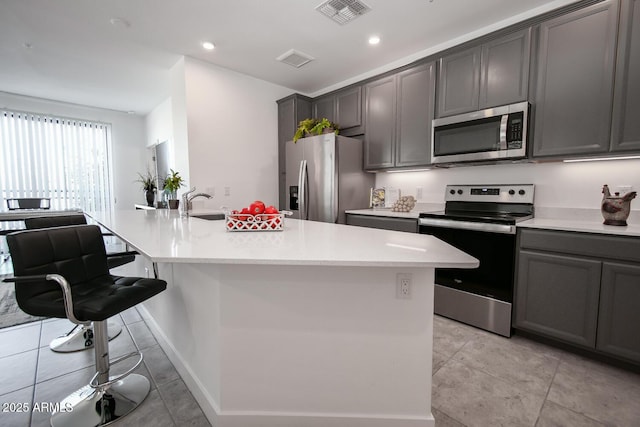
x=324 y=177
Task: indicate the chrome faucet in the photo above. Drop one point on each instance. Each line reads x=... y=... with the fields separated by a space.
x=187 y=197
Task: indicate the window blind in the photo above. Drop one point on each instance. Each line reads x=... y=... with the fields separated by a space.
x=63 y=159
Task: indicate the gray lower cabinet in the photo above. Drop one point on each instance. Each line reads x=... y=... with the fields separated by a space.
x=619 y=314
x=580 y=288
x=383 y=222
x=574 y=82
x=625 y=134
x=558 y=296
x=291 y=110
x=398 y=114
x=343 y=107
x=491 y=74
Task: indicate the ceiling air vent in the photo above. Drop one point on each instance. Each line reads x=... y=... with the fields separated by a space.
x=295 y=58
x=343 y=11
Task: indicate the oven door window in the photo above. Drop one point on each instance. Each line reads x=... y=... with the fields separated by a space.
x=495 y=251
x=477 y=136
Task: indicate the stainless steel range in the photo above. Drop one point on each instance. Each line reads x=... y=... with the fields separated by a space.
x=480 y=220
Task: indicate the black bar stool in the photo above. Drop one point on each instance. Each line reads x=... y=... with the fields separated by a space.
x=62 y=272
x=80 y=337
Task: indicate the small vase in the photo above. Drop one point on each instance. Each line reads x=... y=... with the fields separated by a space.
x=173 y=203
x=151 y=196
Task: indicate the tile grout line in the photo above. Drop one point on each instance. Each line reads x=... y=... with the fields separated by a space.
x=164 y=403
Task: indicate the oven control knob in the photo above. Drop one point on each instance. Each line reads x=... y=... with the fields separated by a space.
x=452 y=191
x=521 y=192
x=512 y=192
x=459 y=191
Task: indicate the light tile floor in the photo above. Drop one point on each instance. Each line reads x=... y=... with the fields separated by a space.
x=479 y=379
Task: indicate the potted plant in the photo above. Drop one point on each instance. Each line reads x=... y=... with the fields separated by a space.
x=148 y=181
x=172 y=183
x=315 y=127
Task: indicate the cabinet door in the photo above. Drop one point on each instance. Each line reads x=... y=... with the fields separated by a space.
x=324 y=108
x=619 y=317
x=625 y=133
x=349 y=108
x=415 y=109
x=458 y=82
x=558 y=296
x=291 y=110
x=574 y=82
x=504 y=75
x=379 y=144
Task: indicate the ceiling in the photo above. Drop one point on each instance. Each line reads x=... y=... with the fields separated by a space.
x=69 y=50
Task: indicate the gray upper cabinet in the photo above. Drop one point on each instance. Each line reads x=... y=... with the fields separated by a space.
x=574 y=82
x=625 y=135
x=504 y=74
x=349 y=108
x=344 y=108
x=492 y=74
x=415 y=111
x=291 y=110
x=380 y=102
x=324 y=107
x=398 y=114
x=459 y=82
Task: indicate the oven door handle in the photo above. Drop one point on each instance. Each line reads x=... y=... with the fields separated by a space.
x=468 y=225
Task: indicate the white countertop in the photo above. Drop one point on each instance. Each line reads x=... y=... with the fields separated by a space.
x=386 y=212
x=163 y=236
x=585 y=226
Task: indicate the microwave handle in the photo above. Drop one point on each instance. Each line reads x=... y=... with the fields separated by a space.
x=503 y=131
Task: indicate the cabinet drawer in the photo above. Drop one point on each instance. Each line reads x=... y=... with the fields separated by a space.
x=385 y=223
x=587 y=244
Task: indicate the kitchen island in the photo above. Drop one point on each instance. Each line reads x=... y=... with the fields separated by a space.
x=300 y=327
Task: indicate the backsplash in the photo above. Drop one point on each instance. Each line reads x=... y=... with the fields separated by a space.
x=558 y=185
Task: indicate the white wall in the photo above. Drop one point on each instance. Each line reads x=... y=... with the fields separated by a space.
x=232 y=122
x=159 y=123
x=562 y=185
x=127 y=139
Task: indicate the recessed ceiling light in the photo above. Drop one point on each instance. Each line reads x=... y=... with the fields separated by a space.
x=208 y=45
x=374 y=40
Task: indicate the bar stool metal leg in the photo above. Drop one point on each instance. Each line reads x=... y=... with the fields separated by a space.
x=106 y=398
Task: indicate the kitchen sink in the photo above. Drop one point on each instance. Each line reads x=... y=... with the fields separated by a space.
x=209 y=217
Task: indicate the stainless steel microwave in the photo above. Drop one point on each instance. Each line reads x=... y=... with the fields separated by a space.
x=491 y=134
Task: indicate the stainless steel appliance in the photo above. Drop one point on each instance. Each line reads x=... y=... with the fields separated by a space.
x=491 y=134
x=481 y=221
x=324 y=177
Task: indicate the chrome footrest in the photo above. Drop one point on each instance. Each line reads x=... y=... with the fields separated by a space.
x=94 y=380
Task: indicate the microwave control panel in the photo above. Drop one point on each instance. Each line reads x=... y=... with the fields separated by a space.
x=515 y=126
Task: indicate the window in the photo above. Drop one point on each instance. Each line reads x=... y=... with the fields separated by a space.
x=66 y=160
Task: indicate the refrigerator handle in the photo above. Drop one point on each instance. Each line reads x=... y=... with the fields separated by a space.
x=302 y=190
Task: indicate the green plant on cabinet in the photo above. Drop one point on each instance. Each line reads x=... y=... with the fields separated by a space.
x=310 y=127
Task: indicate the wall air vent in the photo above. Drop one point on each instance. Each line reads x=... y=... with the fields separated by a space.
x=343 y=11
x=295 y=58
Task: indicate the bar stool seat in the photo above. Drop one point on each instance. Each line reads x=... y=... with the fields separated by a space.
x=62 y=272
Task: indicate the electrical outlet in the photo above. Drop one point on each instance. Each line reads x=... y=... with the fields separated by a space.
x=227 y=191
x=403 y=285
x=419 y=193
